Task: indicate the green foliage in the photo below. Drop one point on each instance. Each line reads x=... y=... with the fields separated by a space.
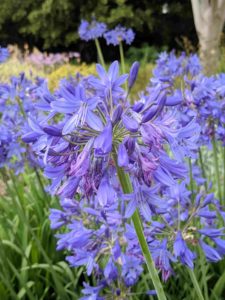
x=221 y=68
x=145 y=54
x=50 y=24
x=30 y=266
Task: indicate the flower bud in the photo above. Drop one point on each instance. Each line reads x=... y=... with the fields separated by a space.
x=130 y=123
x=133 y=74
x=123 y=159
x=117 y=114
x=137 y=107
x=30 y=137
x=52 y=130
x=174 y=99
x=156 y=109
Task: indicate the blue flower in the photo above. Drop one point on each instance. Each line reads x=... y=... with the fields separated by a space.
x=92 y=293
x=183 y=252
x=211 y=254
x=109 y=84
x=133 y=74
x=90 y=31
x=4 y=54
x=131 y=269
x=162 y=258
x=119 y=34
x=76 y=102
x=104 y=141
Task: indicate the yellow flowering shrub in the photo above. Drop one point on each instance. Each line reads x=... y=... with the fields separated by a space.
x=68 y=70
x=13 y=67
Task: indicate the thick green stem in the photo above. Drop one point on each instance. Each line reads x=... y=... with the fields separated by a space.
x=99 y=51
x=195 y=284
x=127 y=189
x=122 y=60
x=216 y=165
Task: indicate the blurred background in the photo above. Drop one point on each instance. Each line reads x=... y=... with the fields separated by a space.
x=43 y=39
x=51 y=25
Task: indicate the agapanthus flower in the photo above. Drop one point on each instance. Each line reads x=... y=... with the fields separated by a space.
x=4 y=54
x=133 y=74
x=18 y=101
x=88 y=133
x=90 y=31
x=119 y=34
x=195 y=96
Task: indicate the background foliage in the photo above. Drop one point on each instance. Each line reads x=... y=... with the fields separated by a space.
x=52 y=24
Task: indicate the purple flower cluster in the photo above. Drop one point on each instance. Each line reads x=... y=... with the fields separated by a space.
x=91 y=31
x=4 y=54
x=119 y=34
x=51 y=60
x=198 y=96
x=87 y=133
x=17 y=100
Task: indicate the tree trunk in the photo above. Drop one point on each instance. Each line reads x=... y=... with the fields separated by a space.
x=209 y=17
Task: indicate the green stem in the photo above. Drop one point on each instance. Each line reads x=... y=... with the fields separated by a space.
x=191 y=179
x=223 y=175
x=41 y=183
x=215 y=157
x=125 y=182
x=204 y=273
x=122 y=61
x=195 y=284
x=202 y=168
x=99 y=51
x=21 y=107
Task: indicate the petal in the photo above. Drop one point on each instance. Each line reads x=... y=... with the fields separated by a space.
x=103 y=142
x=34 y=126
x=113 y=70
x=130 y=209
x=123 y=159
x=101 y=71
x=106 y=193
x=94 y=121
x=145 y=210
x=70 y=125
x=65 y=106
x=130 y=123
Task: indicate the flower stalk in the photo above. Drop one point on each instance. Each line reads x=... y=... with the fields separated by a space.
x=99 y=51
x=224 y=174
x=191 y=179
x=127 y=189
x=216 y=165
x=122 y=61
x=202 y=168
